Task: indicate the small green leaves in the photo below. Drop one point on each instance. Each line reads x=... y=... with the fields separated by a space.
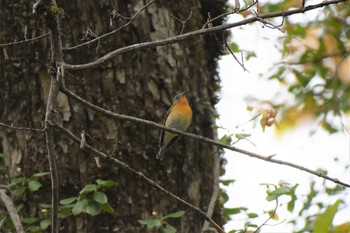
x=93 y=208
x=20 y=184
x=40 y=174
x=100 y=197
x=227 y=182
x=105 y=183
x=17 y=180
x=68 y=200
x=34 y=185
x=323 y=222
x=44 y=224
x=29 y=220
x=91 y=200
x=161 y=223
x=174 y=215
x=80 y=206
x=226 y=139
x=277 y=193
x=168 y=229
x=241 y=136
x=88 y=189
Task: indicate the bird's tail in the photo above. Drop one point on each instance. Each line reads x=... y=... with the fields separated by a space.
x=160 y=154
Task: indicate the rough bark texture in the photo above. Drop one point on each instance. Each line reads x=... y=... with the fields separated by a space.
x=140 y=84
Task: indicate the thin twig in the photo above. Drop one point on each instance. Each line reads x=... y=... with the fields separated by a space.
x=105 y=112
x=24 y=41
x=234 y=56
x=216 y=187
x=11 y=209
x=111 y=32
x=140 y=175
x=227 y=13
x=269 y=24
x=22 y=128
x=268 y=219
x=183 y=22
x=175 y=39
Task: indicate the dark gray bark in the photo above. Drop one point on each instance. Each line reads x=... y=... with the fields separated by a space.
x=140 y=83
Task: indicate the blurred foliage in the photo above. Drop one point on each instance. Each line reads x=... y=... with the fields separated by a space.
x=91 y=200
x=315 y=62
x=315 y=66
x=161 y=224
x=315 y=70
x=19 y=188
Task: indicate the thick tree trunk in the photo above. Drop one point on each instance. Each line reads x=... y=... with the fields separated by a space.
x=140 y=83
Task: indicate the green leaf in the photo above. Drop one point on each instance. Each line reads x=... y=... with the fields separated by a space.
x=29 y=220
x=323 y=222
x=88 y=189
x=68 y=200
x=241 y=136
x=150 y=223
x=278 y=75
x=2 y=221
x=40 y=174
x=272 y=7
x=223 y=196
x=234 y=47
x=105 y=183
x=177 y=214
x=100 y=197
x=44 y=224
x=251 y=225
x=313 y=193
x=18 y=191
x=80 y=206
x=277 y=193
x=107 y=208
x=249 y=54
x=93 y=208
x=252 y=215
x=45 y=206
x=227 y=182
x=226 y=140
x=232 y=211
x=168 y=229
x=34 y=185
x=291 y=203
x=18 y=180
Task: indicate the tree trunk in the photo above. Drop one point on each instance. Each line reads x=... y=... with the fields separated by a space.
x=140 y=83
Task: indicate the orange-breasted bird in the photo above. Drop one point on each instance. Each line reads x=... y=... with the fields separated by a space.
x=179 y=116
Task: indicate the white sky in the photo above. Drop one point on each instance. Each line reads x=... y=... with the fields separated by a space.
x=297 y=146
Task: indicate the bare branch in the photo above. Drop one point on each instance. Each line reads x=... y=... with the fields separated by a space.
x=55 y=78
x=140 y=175
x=24 y=41
x=11 y=209
x=228 y=13
x=269 y=218
x=270 y=159
x=269 y=24
x=111 y=32
x=178 y=38
x=234 y=56
x=21 y=128
x=183 y=22
x=216 y=187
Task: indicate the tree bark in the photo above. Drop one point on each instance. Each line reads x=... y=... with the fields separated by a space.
x=140 y=83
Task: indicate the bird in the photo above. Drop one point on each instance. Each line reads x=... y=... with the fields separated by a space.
x=179 y=116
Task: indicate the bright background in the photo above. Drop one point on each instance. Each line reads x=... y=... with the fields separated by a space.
x=298 y=145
